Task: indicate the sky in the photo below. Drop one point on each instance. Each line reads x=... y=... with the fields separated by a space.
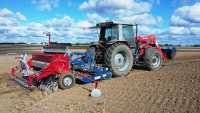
x=171 y=21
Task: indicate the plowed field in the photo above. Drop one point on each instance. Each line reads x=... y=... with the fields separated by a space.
x=173 y=89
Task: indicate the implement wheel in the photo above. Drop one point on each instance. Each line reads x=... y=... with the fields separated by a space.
x=66 y=81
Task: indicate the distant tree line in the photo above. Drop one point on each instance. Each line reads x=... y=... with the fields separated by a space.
x=196 y=45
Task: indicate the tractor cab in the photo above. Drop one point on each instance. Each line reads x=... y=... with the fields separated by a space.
x=111 y=32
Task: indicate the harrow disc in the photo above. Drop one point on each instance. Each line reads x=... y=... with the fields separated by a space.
x=48 y=85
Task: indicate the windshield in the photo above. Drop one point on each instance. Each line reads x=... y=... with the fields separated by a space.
x=111 y=33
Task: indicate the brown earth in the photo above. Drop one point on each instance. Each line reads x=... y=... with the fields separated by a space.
x=173 y=89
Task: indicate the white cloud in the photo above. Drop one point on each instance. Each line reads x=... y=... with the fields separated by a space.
x=19 y=31
x=94 y=18
x=36 y=29
x=107 y=3
x=110 y=6
x=5 y=13
x=186 y=15
x=185 y=25
x=124 y=11
x=8 y=22
x=63 y=22
x=64 y=29
x=178 y=21
x=20 y=16
x=192 y=12
x=195 y=31
x=46 y=5
x=84 y=24
x=147 y=30
x=179 y=30
x=142 y=19
x=11 y=29
x=67 y=29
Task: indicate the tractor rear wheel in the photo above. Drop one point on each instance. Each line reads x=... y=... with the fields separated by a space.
x=66 y=81
x=154 y=59
x=119 y=59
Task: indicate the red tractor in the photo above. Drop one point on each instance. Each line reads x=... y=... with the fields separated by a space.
x=118 y=50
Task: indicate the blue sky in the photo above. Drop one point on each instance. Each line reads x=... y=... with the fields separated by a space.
x=172 y=21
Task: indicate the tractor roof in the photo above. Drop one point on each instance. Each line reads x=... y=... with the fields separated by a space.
x=109 y=24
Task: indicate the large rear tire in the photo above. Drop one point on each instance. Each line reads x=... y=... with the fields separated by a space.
x=66 y=81
x=119 y=59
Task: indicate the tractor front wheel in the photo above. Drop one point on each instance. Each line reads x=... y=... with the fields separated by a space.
x=66 y=81
x=119 y=59
x=154 y=60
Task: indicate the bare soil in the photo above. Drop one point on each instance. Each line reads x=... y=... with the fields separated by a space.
x=173 y=89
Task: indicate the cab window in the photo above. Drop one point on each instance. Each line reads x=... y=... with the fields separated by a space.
x=127 y=33
x=111 y=33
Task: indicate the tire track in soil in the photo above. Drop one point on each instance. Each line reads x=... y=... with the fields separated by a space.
x=138 y=100
x=35 y=100
x=161 y=100
x=156 y=102
x=181 y=105
x=9 y=91
x=153 y=103
x=149 y=102
x=177 y=102
x=173 y=103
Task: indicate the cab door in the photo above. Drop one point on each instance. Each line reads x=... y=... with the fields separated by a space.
x=128 y=34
